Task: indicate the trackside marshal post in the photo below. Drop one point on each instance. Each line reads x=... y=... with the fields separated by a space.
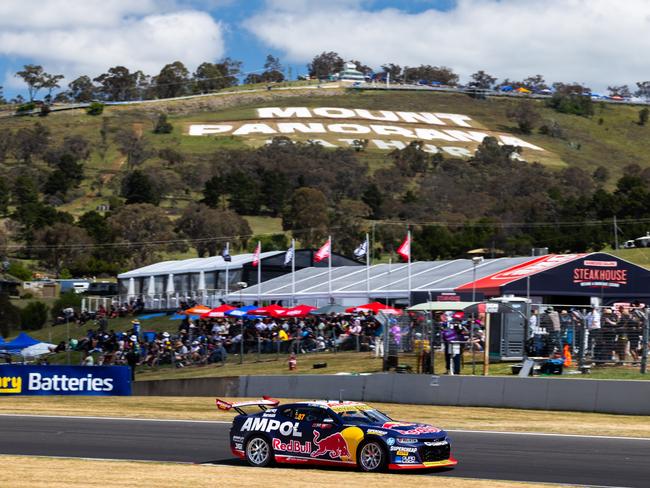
x=65 y=380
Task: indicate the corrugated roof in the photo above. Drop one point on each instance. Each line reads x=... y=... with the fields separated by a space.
x=195 y=265
x=386 y=280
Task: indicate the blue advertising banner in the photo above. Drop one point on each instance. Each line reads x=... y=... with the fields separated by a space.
x=20 y=379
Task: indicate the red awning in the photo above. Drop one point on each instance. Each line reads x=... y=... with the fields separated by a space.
x=491 y=285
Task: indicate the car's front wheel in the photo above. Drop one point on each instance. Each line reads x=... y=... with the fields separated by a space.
x=372 y=457
x=258 y=451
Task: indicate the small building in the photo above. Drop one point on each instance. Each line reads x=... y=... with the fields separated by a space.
x=208 y=280
x=351 y=74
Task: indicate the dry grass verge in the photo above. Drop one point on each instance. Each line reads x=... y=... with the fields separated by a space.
x=43 y=472
x=470 y=418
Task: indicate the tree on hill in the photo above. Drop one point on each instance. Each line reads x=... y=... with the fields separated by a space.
x=482 y=80
x=118 y=84
x=138 y=187
x=440 y=74
x=643 y=116
x=172 y=81
x=307 y=216
x=210 y=77
x=30 y=142
x=50 y=83
x=5 y=197
x=214 y=192
x=163 y=126
x=619 y=91
x=643 y=89
x=2 y=98
x=525 y=114
x=82 y=89
x=134 y=147
x=6 y=140
x=9 y=315
x=325 y=64
x=33 y=76
x=198 y=222
x=272 y=70
x=60 y=245
x=394 y=70
x=149 y=231
x=349 y=217
x=245 y=193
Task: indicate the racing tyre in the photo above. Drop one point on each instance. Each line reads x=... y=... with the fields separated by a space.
x=372 y=457
x=258 y=451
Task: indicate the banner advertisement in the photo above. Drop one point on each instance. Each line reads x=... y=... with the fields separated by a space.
x=20 y=379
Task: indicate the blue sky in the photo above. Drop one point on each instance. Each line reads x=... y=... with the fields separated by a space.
x=565 y=40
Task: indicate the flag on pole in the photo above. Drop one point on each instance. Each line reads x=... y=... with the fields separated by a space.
x=256 y=254
x=404 y=249
x=225 y=252
x=361 y=250
x=288 y=256
x=324 y=252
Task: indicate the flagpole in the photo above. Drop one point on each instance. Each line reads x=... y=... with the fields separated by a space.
x=259 y=273
x=329 y=268
x=368 y=266
x=409 y=267
x=293 y=272
x=227 y=266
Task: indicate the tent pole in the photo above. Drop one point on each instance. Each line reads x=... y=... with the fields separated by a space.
x=368 y=266
x=259 y=274
x=329 y=268
x=293 y=273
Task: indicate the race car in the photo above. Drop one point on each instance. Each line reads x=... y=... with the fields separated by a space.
x=333 y=433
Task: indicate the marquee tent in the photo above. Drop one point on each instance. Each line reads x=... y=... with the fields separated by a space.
x=19 y=343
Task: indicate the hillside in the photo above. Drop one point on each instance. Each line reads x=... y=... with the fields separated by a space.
x=611 y=138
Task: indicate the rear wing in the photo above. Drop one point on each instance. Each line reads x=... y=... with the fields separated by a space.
x=264 y=404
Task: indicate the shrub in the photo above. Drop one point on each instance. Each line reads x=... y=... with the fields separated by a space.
x=572 y=104
x=95 y=108
x=9 y=315
x=33 y=316
x=163 y=126
x=66 y=300
x=20 y=271
x=25 y=107
x=643 y=116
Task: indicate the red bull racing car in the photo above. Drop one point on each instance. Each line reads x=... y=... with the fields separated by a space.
x=333 y=433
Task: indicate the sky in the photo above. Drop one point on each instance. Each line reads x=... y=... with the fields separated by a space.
x=594 y=42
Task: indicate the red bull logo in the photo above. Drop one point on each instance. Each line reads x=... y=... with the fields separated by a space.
x=335 y=445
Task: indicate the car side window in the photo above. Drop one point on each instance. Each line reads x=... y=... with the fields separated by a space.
x=310 y=414
x=287 y=412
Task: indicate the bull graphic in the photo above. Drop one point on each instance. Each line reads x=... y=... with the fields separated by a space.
x=334 y=445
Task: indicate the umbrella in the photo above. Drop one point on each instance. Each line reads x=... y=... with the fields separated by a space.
x=242 y=312
x=271 y=310
x=201 y=286
x=329 y=309
x=131 y=291
x=220 y=311
x=197 y=310
x=170 y=284
x=151 y=291
x=299 y=311
x=374 y=307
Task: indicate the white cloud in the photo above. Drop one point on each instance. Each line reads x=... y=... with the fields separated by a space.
x=591 y=41
x=89 y=37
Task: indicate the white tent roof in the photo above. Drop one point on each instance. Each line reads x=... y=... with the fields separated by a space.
x=195 y=265
x=390 y=281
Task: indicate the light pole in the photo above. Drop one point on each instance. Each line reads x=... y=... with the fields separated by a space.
x=242 y=285
x=476 y=260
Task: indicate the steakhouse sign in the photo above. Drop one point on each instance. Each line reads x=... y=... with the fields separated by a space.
x=454 y=134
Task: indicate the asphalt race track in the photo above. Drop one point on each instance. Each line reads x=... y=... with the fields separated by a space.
x=522 y=457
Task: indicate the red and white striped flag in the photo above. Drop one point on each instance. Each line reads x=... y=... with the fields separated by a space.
x=323 y=252
x=256 y=254
x=404 y=249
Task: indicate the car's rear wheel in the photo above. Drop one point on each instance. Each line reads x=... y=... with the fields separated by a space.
x=372 y=457
x=258 y=451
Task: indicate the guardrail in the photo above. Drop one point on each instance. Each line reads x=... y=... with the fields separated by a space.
x=603 y=396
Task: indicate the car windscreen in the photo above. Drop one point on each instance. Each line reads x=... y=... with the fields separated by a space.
x=361 y=414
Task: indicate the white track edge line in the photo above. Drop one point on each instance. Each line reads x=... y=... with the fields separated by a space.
x=151 y=461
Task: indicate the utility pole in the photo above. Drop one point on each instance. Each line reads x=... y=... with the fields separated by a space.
x=615 y=234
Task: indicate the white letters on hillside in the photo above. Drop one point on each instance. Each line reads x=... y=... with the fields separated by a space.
x=391 y=129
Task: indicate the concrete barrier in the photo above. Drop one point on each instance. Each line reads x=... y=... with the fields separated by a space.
x=605 y=396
